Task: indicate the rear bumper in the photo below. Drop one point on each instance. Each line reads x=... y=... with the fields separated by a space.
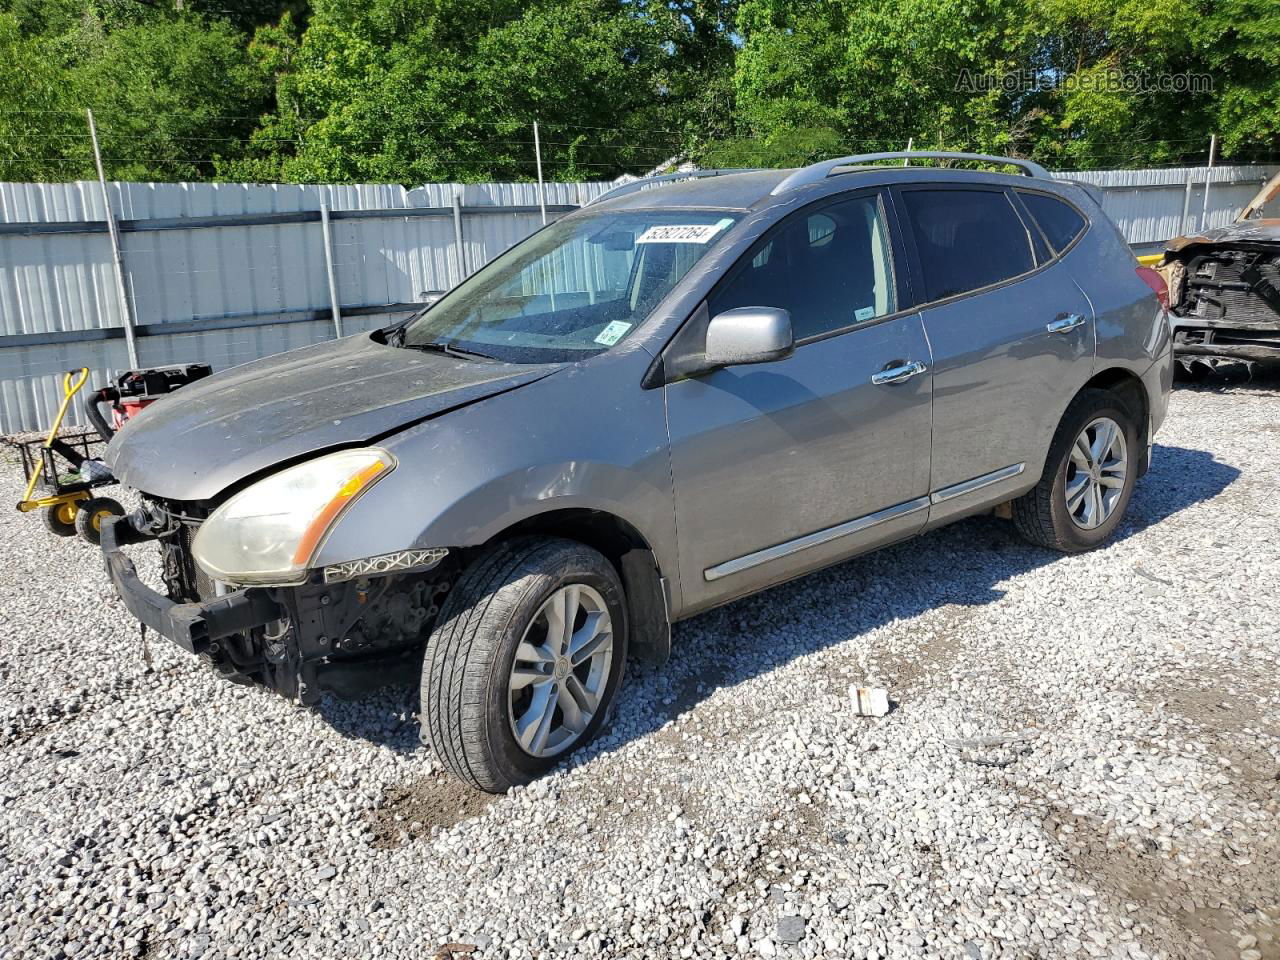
x=192 y=626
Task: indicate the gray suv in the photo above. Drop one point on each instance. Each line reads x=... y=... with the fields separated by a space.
x=678 y=395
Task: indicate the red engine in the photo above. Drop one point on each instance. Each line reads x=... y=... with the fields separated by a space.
x=134 y=390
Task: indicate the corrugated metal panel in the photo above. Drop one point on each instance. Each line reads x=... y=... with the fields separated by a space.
x=253 y=278
x=505 y=194
x=239 y=275
x=1148 y=205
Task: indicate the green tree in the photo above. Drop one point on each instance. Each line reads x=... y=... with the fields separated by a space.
x=448 y=89
x=42 y=135
x=871 y=74
x=412 y=91
x=171 y=91
x=868 y=75
x=171 y=97
x=1241 y=44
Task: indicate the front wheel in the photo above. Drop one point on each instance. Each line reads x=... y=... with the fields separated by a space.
x=1088 y=477
x=525 y=661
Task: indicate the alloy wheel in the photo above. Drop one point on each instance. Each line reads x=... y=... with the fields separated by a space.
x=560 y=671
x=1096 y=473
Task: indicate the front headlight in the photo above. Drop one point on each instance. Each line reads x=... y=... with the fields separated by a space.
x=268 y=533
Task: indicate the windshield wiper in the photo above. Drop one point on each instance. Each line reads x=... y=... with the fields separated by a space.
x=445 y=347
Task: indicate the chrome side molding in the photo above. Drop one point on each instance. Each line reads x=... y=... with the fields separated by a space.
x=814 y=539
x=976 y=483
x=819 y=537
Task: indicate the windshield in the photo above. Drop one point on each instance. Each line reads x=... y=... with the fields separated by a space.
x=572 y=290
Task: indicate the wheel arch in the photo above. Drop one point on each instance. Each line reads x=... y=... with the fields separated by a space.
x=624 y=546
x=1132 y=392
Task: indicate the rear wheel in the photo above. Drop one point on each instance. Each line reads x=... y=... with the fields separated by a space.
x=92 y=513
x=525 y=661
x=60 y=519
x=1088 y=477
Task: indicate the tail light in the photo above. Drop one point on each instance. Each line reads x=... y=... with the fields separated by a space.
x=1155 y=281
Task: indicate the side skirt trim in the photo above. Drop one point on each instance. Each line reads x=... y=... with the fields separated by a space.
x=814 y=539
x=976 y=483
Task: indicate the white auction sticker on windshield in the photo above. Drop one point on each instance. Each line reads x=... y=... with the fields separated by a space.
x=612 y=333
x=682 y=232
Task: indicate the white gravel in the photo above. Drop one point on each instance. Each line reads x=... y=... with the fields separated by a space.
x=1082 y=761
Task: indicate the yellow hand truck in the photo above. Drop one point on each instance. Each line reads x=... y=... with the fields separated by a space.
x=66 y=470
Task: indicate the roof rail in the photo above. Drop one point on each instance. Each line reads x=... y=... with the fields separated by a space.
x=817 y=172
x=640 y=183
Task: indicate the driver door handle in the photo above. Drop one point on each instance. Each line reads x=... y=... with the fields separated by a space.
x=1065 y=324
x=899 y=374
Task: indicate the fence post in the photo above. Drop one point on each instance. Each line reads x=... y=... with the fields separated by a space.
x=542 y=193
x=116 y=252
x=910 y=143
x=1204 y=208
x=457 y=237
x=334 y=304
x=1186 y=205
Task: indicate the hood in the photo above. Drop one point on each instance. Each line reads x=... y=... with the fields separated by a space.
x=215 y=432
x=1243 y=231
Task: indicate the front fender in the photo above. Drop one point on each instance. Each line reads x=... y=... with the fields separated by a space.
x=402 y=512
x=595 y=441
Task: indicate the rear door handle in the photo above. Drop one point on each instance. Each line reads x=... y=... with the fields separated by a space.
x=1065 y=324
x=899 y=374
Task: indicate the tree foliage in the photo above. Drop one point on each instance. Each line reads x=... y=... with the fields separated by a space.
x=412 y=91
x=1082 y=83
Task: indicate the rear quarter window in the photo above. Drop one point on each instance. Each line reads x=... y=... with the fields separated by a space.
x=967 y=239
x=1059 y=221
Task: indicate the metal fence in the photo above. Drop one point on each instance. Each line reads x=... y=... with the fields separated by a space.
x=1153 y=206
x=226 y=273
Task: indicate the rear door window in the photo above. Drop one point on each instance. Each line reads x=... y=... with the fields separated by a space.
x=966 y=239
x=1059 y=221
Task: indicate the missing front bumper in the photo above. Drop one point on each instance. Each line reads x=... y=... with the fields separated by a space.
x=347 y=637
x=192 y=626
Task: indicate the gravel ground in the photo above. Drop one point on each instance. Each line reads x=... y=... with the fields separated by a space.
x=1083 y=761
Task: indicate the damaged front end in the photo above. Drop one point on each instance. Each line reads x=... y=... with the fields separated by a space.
x=347 y=629
x=1224 y=288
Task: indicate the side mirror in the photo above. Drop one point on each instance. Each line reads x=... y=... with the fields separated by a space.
x=749 y=335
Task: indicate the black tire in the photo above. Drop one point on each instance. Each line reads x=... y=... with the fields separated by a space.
x=91 y=514
x=1041 y=515
x=55 y=524
x=466 y=707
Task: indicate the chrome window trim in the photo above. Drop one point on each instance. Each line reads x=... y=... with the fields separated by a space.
x=977 y=483
x=879 y=195
x=814 y=539
x=907 y=226
x=1079 y=237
